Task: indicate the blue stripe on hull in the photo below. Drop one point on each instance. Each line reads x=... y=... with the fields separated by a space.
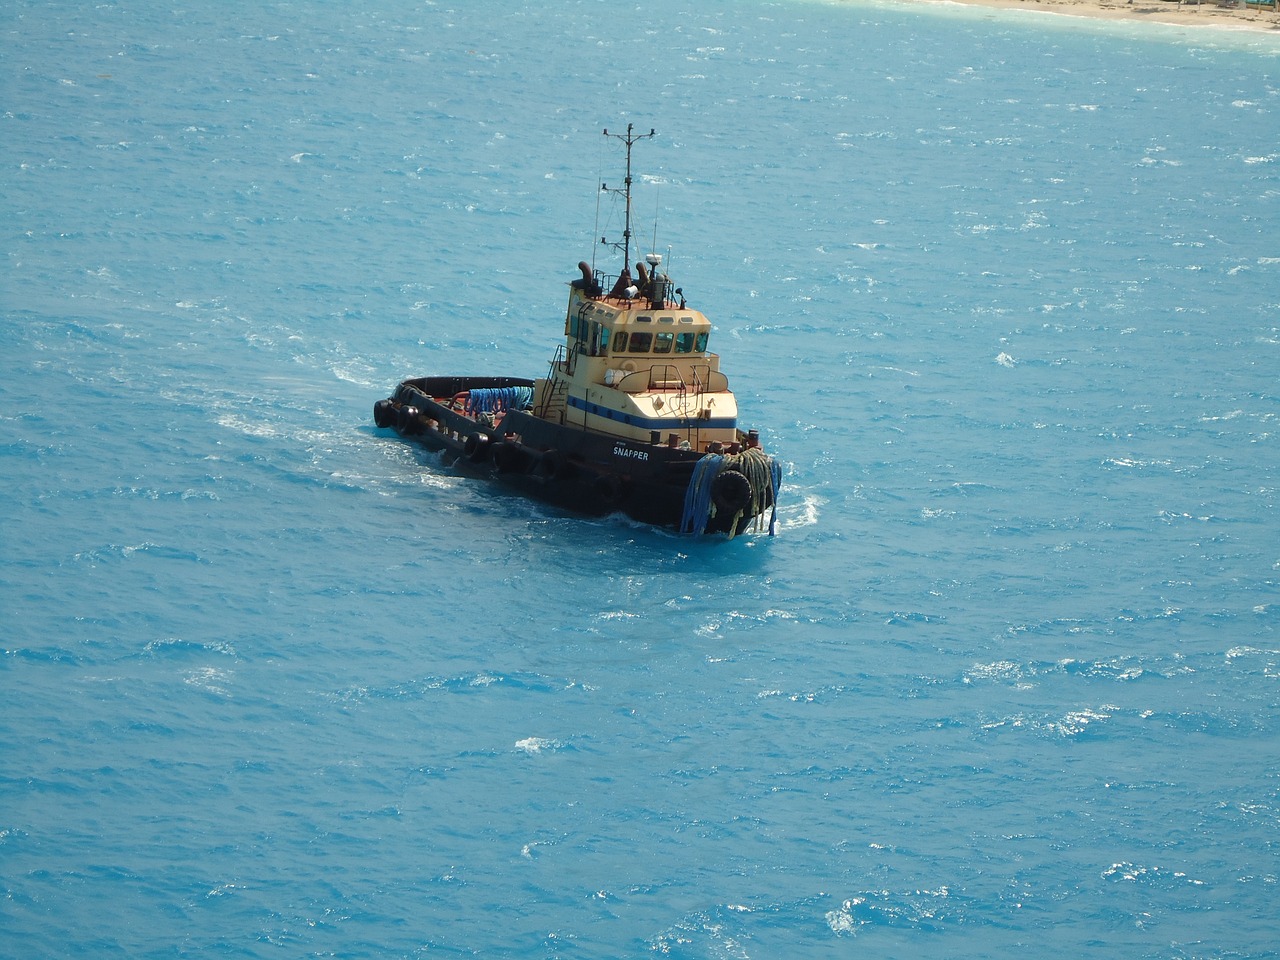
x=652 y=423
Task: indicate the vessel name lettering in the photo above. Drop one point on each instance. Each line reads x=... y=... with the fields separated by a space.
x=621 y=451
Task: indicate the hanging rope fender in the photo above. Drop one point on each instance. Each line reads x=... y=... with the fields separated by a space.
x=712 y=481
x=697 y=497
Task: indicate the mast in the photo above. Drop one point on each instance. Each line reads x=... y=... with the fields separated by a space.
x=628 y=138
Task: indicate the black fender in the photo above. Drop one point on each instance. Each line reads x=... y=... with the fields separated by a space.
x=553 y=465
x=408 y=421
x=476 y=447
x=507 y=457
x=610 y=488
x=731 y=491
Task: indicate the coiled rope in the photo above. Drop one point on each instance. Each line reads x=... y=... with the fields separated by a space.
x=497 y=399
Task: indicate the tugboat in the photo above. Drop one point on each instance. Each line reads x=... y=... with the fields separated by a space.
x=634 y=415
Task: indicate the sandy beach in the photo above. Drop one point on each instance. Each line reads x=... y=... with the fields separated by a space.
x=1230 y=14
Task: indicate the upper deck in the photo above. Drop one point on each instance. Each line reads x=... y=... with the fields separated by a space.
x=646 y=326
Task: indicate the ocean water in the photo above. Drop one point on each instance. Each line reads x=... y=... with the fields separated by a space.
x=1001 y=291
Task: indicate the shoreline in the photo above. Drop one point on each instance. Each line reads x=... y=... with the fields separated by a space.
x=1252 y=17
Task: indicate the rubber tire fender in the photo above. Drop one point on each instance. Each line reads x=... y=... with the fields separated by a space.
x=384 y=413
x=731 y=491
x=476 y=447
x=610 y=489
x=553 y=465
x=505 y=457
x=408 y=420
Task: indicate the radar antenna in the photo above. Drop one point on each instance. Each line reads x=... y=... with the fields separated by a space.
x=628 y=138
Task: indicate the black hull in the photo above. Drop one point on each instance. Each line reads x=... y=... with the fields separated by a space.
x=572 y=468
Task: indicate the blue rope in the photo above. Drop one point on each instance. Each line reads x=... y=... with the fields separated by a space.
x=495 y=399
x=697 y=498
x=775 y=474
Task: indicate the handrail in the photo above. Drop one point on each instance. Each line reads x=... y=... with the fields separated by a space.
x=548 y=392
x=658 y=301
x=702 y=380
x=670 y=375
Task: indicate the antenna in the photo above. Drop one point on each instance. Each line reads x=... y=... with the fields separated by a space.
x=595 y=232
x=628 y=138
x=656 y=209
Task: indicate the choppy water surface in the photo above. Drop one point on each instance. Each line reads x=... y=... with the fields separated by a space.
x=1002 y=293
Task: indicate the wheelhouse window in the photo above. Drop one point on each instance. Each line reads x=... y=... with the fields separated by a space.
x=684 y=342
x=619 y=343
x=701 y=344
x=663 y=342
x=640 y=343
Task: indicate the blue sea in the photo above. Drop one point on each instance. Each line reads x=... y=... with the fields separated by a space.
x=1001 y=290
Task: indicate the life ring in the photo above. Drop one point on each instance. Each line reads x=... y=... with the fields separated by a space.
x=408 y=420
x=384 y=413
x=476 y=447
x=628 y=365
x=731 y=491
